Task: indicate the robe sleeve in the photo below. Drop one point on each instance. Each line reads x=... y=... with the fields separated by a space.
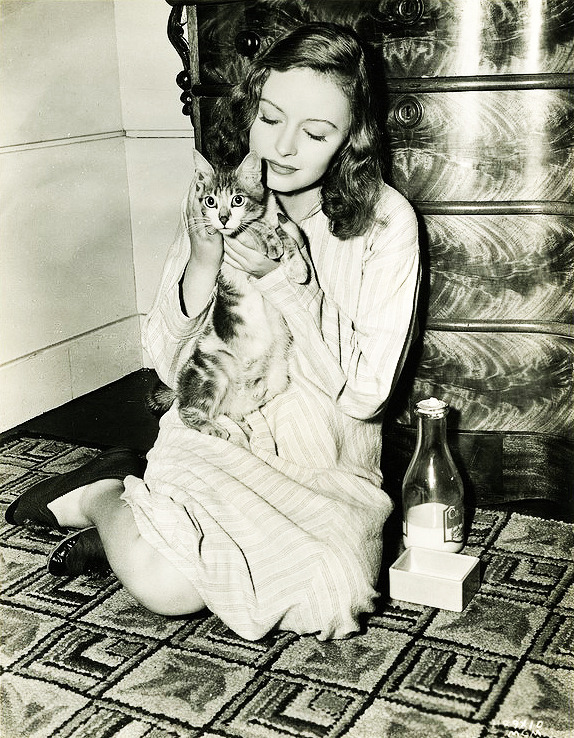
x=356 y=359
x=168 y=334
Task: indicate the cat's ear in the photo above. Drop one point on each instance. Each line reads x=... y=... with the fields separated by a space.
x=249 y=172
x=205 y=173
x=251 y=164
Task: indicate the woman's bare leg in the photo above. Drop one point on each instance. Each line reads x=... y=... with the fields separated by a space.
x=153 y=580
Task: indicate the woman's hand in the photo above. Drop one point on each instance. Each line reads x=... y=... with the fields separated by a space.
x=206 y=242
x=245 y=255
x=274 y=235
x=205 y=259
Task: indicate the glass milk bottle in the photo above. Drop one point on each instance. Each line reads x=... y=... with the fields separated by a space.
x=433 y=509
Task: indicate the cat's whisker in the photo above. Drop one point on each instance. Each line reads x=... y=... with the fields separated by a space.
x=198 y=225
x=195 y=222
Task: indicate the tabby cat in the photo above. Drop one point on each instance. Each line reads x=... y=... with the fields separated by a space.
x=241 y=359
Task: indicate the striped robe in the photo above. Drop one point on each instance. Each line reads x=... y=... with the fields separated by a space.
x=280 y=526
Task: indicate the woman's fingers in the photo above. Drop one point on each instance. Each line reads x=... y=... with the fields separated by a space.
x=272 y=210
x=256 y=250
x=241 y=254
x=229 y=259
x=193 y=209
x=276 y=218
x=246 y=258
x=230 y=254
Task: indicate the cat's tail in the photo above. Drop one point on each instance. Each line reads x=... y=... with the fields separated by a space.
x=159 y=399
x=203 y=388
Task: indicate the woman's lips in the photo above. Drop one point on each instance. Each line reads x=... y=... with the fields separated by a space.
x=280 y=168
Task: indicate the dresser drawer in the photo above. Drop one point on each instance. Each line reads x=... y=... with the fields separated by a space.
x=501 y=268
x=493 y=380
x=413 y=38
x=484 y=145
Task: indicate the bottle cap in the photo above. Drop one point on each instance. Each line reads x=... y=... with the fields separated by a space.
x=432 y=407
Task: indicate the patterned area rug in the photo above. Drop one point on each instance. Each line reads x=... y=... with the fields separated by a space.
x=81 y=658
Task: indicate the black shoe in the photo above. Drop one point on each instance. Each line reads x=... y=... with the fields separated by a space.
x=32 y=505
x=79 y=553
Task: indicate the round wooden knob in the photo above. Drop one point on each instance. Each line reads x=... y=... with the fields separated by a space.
x=247 y=43
x=183 y=80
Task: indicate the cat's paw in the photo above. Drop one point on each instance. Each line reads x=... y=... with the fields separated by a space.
x=197 y=420
x=218 y=431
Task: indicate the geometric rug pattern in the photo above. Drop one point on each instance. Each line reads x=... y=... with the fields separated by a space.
x=80 y=658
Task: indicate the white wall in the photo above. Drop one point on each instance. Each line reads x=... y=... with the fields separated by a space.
x=159 y=141
x=93 y=152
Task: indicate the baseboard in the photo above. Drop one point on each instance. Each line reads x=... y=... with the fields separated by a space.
x=498 y=468
x=53 y=376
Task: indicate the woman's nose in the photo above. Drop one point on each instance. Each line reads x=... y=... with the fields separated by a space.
x=286 y=143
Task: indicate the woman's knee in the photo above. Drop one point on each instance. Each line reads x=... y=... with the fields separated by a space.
x=159 y=586
x=169 y=602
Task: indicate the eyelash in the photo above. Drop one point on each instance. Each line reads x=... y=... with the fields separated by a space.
x=269 y=121
x=273 y=122
x=316 y=138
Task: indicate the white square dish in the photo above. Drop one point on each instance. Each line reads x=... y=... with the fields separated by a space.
x=434 y=578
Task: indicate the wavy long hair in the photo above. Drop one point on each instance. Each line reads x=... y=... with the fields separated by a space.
x=350 y=188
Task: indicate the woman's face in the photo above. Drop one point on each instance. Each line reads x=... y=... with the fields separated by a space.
x=302 y=121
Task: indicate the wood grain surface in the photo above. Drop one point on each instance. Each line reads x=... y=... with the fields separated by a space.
x=458 y=37
x=497 y=381
x=414 y=39
x=500 y=268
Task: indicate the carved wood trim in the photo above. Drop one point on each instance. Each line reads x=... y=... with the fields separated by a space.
x=176 y=35
x=478 y=83
x=500 y=207
x=514 y=326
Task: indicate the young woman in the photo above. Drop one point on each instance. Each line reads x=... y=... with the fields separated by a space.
x=279 y=526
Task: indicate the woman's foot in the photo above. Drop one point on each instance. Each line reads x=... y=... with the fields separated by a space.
x=36 y=505
x=80 y=553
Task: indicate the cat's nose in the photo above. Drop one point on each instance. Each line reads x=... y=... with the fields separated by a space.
x=223 y=217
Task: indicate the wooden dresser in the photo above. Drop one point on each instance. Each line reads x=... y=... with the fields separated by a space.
x=480 y=120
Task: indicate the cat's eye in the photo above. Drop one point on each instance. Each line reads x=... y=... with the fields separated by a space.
x=210 y=201
x=237 y=201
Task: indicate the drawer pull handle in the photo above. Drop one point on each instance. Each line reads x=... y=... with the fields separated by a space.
x=409 y=11
x=409 y=112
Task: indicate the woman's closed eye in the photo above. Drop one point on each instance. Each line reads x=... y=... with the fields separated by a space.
x=275 y=121
x=316 y=136
x=270 y=121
